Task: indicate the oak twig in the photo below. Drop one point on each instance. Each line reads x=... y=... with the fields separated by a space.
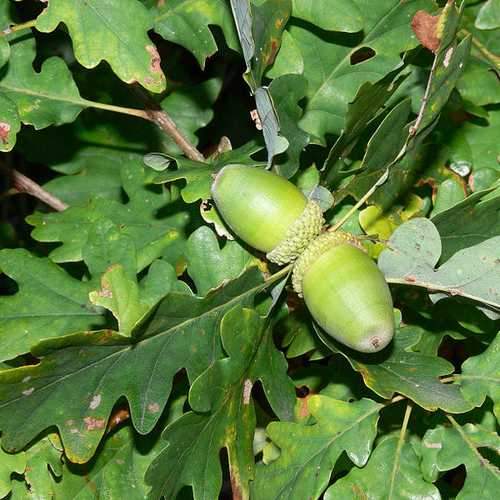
x=23 y=184
x=159 y=116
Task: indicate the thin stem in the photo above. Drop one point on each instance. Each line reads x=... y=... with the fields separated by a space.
x=401 y=442
x=440 y=288
x=163 y=120
x=360 y=202
x=425 y=99
x=282 y=272
x=140 y=113
x=493 y=58
x=18 y=27
x=24 y=184
x=159 y=116
x=483 y=461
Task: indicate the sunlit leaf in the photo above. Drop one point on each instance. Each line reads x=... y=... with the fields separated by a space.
x=110 y=30
x=309 y=452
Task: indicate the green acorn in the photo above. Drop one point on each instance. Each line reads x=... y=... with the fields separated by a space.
x=345 y=292
x=266 y=211
x=342 y=287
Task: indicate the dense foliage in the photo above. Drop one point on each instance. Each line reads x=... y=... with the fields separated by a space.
x=146 y=352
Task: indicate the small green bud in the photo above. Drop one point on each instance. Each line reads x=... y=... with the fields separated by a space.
x=345 y=292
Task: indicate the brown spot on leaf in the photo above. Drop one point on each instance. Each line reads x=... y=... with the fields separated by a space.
x=410 y=279
x=304 y=408
x=272 y=54
x=447 y=57
x=235 y=486
x=4 y=132
x=91 y=423
x=106 y=292
x=95 y=402
x=153 y=408
x=358 y=492
x=425 y=27
x=247 y=391
x=155 y=59
x=254 y=115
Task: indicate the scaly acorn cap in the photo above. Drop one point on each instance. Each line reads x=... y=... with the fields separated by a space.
x=266 y=211
x=299 y=235
x=317 y=248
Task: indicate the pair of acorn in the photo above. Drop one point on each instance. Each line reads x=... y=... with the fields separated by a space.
x=342 y=286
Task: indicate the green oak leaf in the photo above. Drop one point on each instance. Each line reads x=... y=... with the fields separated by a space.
x=49 y=303
x=414 y=250
x=138 y=219
x=111 y=30
x=260 y=26
x=269 y=123
x=286 y=92
x=130 y=301
x=92 y=172
x=480 y=377
x=105 y=366
x=290 y=60
x=309 y=452
x=48 y=97
x=199 y=175
x=488 y=17
x=331 y=66
x=117 y=472
x=400 y=468
x=382 y=151
x=367 y=104
x=191 y=108
x=475 y=142
x=187 y=23
x=449 y=64
x=4 y=51
x=376 y=221
x=449 y=193
x=210 y=266
x=446 y=448
x=398 y=370
x=224 y=415
x=346 y=16
x=299 y=337
x=10 y=464
x=479 y=84
x=487 y=38
x=43 y=462
x=10 y=124
x=470 y=222
x=5 y=22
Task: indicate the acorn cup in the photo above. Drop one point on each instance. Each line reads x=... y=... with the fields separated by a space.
x=342 y=286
